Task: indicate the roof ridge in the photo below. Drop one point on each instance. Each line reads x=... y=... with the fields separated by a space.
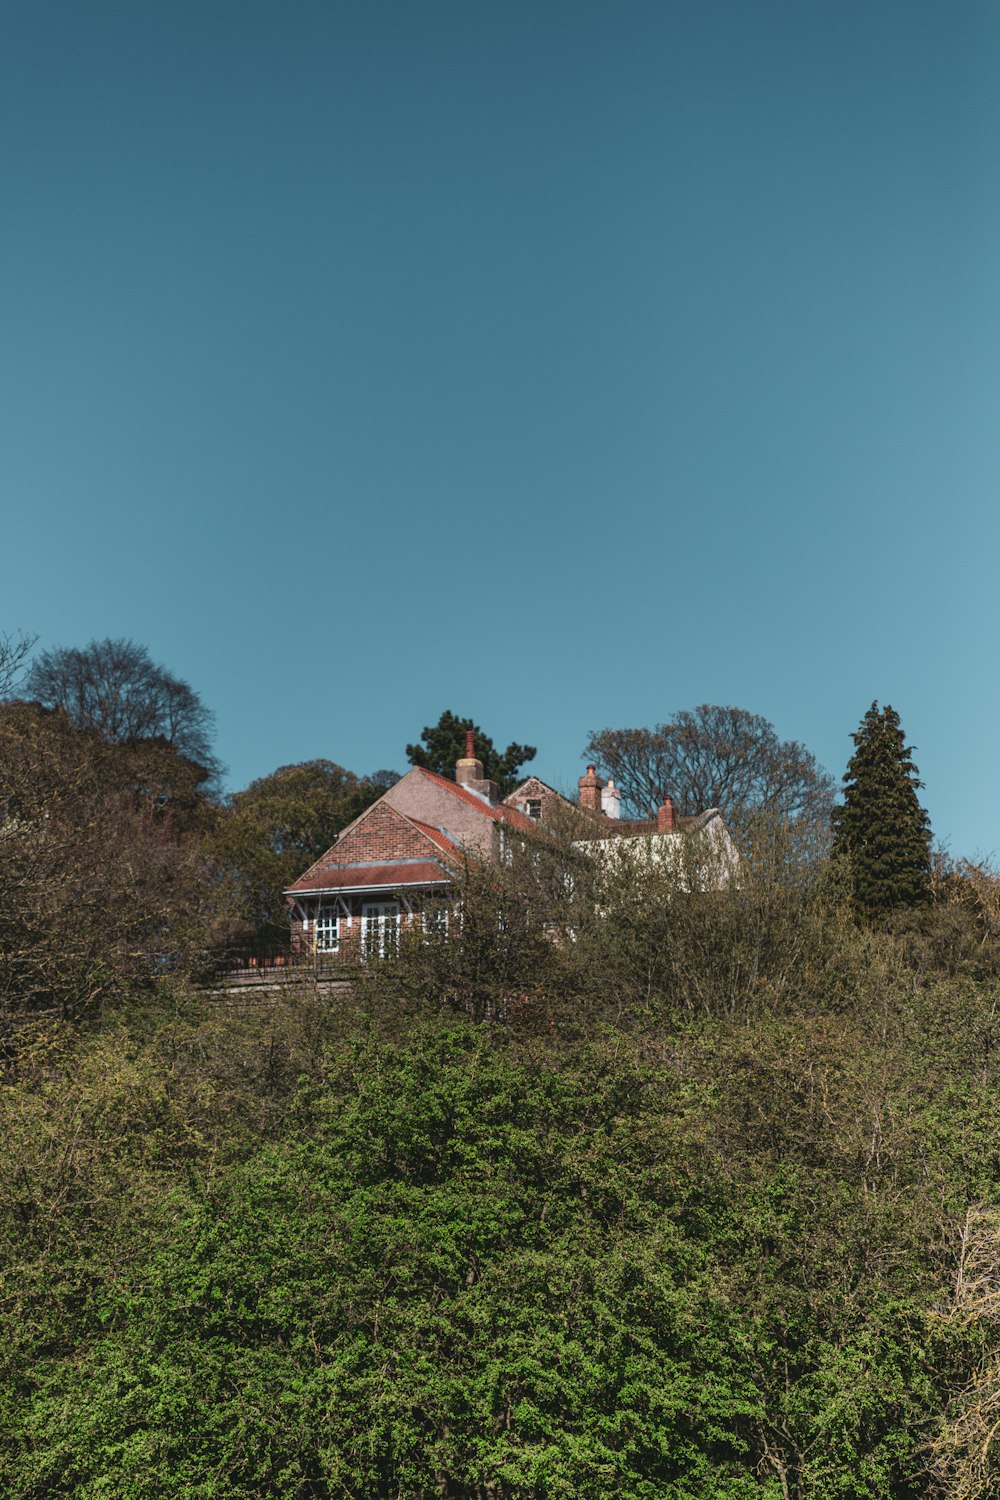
x=554 y=790
x=349 y=827
x=497 y=812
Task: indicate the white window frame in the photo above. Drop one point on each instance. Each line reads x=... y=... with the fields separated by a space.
x=381 y=922
x=326 y=928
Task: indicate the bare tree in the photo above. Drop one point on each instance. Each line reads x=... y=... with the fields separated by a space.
x=103 y=887
x=114 y=688
x=14 y=652
x=713 y=756
x=966 y=1452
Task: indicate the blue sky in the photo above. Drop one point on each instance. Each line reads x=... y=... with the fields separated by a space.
x=560 y=364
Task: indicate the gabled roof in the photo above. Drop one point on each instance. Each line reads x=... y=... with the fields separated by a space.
x=534 y=781
x=496 y=812
x=332 y=874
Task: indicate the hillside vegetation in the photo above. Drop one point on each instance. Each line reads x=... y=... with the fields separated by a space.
x=630 y=1192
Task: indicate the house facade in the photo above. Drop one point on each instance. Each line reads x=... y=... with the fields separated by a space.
x=396 y=865
x=599 y=831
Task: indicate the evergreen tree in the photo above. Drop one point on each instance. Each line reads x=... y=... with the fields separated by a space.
x=881 y=828
x=443 y=744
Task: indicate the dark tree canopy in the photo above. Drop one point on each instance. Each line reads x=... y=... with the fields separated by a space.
x=881 y=830
x=443 y=744
x=714 y=756
x=114 y=688
x=299 y=810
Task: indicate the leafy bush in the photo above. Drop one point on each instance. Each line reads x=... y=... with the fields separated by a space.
x=707 y=1263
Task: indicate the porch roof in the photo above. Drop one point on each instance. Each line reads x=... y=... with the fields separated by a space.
x=370 y=876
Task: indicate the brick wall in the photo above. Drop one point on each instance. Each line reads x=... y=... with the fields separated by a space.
x=381 y=834
x=420 y=797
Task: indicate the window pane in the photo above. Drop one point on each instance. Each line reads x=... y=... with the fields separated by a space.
x=327 y=930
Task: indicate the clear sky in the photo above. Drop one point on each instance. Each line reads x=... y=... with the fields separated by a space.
x=563 y=364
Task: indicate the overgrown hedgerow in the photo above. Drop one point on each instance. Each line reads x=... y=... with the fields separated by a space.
x=678 y=1197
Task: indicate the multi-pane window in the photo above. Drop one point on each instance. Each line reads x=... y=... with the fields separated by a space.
x=533 y=807
x=327 y=929
x=379 y=928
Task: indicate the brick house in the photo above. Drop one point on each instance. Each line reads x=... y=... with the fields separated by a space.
x=394 y=866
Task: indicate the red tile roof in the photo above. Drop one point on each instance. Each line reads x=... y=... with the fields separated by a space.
x=453 y=850
x=371 y=876
x=327 y=875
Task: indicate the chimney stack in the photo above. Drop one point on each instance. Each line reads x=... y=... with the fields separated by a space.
x=469 y=768
x=665 y=816
x=590 y=790
x=611 y=802
x=469 y=772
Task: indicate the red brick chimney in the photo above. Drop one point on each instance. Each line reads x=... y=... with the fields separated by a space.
x=665 y=816
x=469 y=772
x=469 y=768
x=590 y=790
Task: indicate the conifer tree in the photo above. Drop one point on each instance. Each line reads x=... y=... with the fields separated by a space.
x=443 y=743
x=881 y=830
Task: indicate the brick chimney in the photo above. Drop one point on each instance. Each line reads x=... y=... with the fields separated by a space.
x=469 y=768
x=469 y=772
x=665 y=816
x=590 y=790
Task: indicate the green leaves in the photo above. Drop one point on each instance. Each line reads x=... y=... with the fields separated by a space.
x=442 y=745
x=710 y=1265
x=881 y=832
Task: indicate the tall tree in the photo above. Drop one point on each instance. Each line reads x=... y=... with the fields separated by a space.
x=443 y=743
x=116 y=689
x=881 y=831
x=103 y=879
x=714 y=756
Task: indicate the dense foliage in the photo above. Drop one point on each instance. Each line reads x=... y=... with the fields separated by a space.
x=881 y=832
x=103 y=880
x=626 y=1181
x=442 y=744
x=708 y=1208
